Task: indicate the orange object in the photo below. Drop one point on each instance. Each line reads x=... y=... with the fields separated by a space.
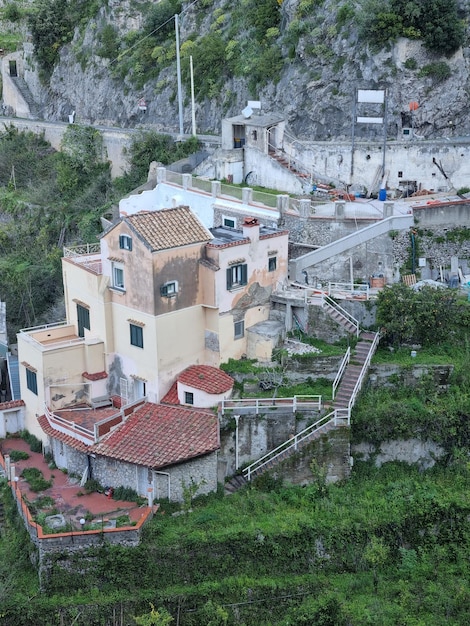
x=414 y=106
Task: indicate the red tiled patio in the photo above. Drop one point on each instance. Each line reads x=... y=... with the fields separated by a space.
x=65 y=490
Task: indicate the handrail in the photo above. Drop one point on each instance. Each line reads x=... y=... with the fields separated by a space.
x=340 y=373
x=350 y=318
x=363 y=371
x=85 y=248
x=332 y=417
x=359 y=288
x=313 y=402
x=67 y=425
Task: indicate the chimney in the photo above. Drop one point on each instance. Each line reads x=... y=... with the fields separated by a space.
x=251 y=228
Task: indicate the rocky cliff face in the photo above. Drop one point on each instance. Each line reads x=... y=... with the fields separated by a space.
x=324 y=59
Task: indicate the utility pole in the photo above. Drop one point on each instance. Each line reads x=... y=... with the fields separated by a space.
x=178 y=72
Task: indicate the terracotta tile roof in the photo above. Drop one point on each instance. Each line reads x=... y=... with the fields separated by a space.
x=157 y=436
x=56 y=434
x=11 y=404
x=206 y=378
x=97 y=376
x=168 y=228
x=172 y=396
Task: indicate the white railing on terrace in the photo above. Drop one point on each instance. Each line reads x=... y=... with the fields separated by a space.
x=86 y=248
x=174 y=177
x=346 y=315
x=69 y=427
x=340 y=373
x=363 y=371
x=353 y=289
x=337 y=417
x=202 y=184
x=258 y=405
x=44 y=327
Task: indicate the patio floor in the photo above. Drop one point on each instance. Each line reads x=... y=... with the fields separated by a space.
x=65 y=490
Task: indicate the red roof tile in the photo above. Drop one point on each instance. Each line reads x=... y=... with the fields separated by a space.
x=67 y=439
x=11 y=404
x=206 y=378
x=97 y=376
x=172 y=396
x=157 y=436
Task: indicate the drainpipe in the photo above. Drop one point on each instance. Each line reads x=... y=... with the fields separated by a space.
x=168 y=476
x=237 y=417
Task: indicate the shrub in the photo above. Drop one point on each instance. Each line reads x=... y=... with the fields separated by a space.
x=35 y=444
x=438 y=70
x=18 y=455
x=411 y=64
x=12 y=12
x=35 y=479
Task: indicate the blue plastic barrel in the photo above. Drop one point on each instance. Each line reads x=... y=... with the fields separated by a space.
x=383 y=194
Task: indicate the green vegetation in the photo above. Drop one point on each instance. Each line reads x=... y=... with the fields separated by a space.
x=438 y=70
x=35 y=479
x=18 y=455
x=34 y=443
x=435 y=22
x=51 y=199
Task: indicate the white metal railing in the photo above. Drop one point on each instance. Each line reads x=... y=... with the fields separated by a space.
x=258 y=405
x=86 y=248
x=69 y=427
x=326 y=300
x=363 y=372
x=336 y=417
x=354 y=289
x=44 y=327
x=340 y=373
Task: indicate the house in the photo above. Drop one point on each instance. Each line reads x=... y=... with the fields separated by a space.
x=155 y=447
x=162 y=301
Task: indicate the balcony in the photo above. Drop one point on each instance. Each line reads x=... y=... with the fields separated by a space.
x=87 y=256
x=52 y=336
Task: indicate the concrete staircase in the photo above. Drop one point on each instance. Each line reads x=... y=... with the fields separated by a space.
x=234 y=484
x=348 y=387
x=23 y=88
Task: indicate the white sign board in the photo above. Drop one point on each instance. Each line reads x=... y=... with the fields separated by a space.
x=370 y=120
x=373 y=96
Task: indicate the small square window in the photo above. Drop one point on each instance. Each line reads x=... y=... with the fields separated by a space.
x=32 y=381
x=400 y=174
x=239 y=330
x=188 y=397
x=272 y=264
x=118 y=276
x=137 y=336
x=125 y=242
x=229 y=222
x=169 y=289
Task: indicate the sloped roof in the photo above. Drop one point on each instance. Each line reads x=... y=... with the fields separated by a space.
x=168 y=228
x=157 y=435
x=206 y=378
x=171 y=397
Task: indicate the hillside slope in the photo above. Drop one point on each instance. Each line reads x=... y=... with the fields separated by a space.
x=302 y=58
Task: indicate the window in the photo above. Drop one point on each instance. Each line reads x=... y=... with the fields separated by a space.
x=31 y=381
x=229 y=222
x=137 y=336
x=239 y=330
x=125 y=242
x=237 y=275
x=272 y=264
x=118 y=276
x=400 y=174
x=140 y=389
x=188 y=397
x=83 y=319
x=169 y=289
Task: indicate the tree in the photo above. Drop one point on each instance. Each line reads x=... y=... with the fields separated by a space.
x=156 y=617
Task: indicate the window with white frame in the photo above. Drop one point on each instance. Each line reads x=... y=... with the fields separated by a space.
x=229 y=222
x=125 y=242
x=169 y=289
x=239 y=330
x=237 y=275
x=118 y=276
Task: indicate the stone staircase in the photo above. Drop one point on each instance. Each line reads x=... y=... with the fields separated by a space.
x=23 y=88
